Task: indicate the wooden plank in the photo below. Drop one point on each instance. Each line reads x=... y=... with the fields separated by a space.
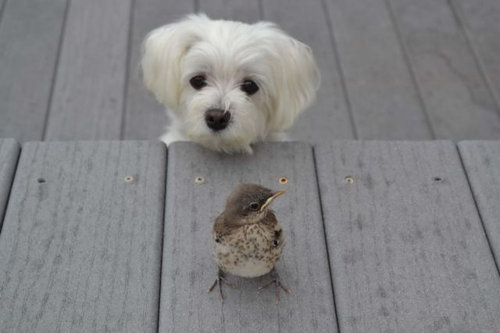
x=89 y=90
x=482 y=163
x=9 y=152
x=80 y=248
x=456 y=96
x=481 y=22
x=188 y=263
x=29 y=42
x=407 y=249
x=239 y=10
x=381 y=91
x=145 y=118
x=329 y=117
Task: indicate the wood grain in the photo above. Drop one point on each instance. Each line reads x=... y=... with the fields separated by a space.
x=88 y=96
x=9 y=152
x=80 y=248
x=29 y=43
x=407 y=248
x=457 y=98
x=188 y=260
x=384 y=102
x=328 y=118
x=482 y=163
x=144 y=117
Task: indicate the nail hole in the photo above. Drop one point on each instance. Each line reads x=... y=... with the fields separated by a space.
x=349 y=180
x=283 y=180
x=199 y=180
x=437 y=179
x=41 y=180
x=128 y=179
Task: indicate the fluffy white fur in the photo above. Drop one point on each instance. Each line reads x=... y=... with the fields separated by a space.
x=226 y=53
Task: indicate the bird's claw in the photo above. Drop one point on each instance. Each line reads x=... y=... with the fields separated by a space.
x=218 y=281
x=277 y=285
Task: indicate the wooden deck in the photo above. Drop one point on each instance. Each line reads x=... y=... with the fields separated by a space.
x=391 y=69
x=382 y=236
x=115 y=236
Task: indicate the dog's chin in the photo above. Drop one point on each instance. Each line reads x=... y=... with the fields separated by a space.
x=223 y=141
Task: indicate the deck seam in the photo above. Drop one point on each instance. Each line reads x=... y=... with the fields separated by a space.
x=162 y=239
x=410 y=65
x=56 y=70
x=2 y=11
x=128 y=64
x=459 y=17
x=261 y=9
x=313 y=149
x=338 y=64
x=471 y=191
x=9 y=191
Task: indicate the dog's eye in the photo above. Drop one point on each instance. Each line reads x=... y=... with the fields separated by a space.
x=254 y=206
x=249 y=87
x=198 y=82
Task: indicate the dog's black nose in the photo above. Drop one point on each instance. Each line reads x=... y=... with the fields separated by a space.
x=217 y=119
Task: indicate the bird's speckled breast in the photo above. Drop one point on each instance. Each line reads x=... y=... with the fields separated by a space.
x=251 y=251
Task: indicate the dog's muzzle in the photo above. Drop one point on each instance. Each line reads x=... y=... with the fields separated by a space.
x=217 y=119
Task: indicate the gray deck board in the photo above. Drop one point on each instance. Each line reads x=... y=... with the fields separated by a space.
x=241 y=10
x=457 y=98
x=384 y=102
x=88 y=95
x=80 y=248
x=407 y=250
x=481 y=22
x=9 y=152
x=482 y=163
x=328 y=118
x=144 y=117
x=189 y=266
x=29 y=40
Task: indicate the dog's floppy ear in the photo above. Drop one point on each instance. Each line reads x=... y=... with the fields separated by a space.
x=296 y=78
x=162 y=53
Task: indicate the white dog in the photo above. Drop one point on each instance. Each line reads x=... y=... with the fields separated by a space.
x=226 y=84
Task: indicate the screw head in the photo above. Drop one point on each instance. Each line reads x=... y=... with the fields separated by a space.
x=349 y=180
x=283 y=180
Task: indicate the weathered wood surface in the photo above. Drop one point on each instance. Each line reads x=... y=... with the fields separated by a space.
x=88 y=95
x=189 y=266
x=380 y=88
x=407 y=248
x=9 y=152
x=329 y=117
x=391 y=69
x=246 y=11
x=482 y=163
x=144 y=117
x=450 y=80
x=80 y=247
x=30 y=32
x=481 y=23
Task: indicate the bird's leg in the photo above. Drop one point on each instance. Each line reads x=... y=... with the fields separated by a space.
x=218 y=281
x=277 y=285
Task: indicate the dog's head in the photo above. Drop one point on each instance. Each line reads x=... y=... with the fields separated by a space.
x=229 y=84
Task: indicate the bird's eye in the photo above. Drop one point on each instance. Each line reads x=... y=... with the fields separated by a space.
x=276 y=243
x=254 y=206
x=198 y=82
x=249 y=87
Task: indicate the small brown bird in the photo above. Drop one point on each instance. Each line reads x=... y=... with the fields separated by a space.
x=248 y=237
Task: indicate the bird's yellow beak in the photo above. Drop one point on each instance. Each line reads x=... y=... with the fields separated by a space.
x=270 y=199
